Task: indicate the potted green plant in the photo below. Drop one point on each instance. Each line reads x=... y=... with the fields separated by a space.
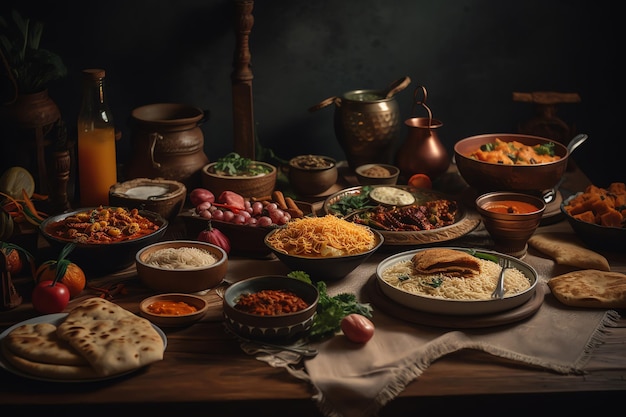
x=29 y=67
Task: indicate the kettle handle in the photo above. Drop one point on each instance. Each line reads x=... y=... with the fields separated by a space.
x=422 y=102
x=397 y=86
x=325 y=103
x=154 y=137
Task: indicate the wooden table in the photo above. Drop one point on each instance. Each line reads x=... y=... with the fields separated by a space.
x=204 y=372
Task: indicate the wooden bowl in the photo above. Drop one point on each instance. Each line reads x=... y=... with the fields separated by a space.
x=246 y=186
x=370 y=174
x=166 y=197
x=181 y=280
x=174 y=320
x=312 y=179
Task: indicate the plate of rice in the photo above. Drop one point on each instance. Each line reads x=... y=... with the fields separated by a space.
x=443 y=293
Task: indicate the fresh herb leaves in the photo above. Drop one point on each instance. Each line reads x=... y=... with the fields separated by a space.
x=352 y=202
x=235 y=164
x=330 y=310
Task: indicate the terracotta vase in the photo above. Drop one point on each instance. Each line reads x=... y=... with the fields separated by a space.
x=30 y=111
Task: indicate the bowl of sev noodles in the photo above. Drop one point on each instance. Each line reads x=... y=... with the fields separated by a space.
x=464 y=293
x=327 y=248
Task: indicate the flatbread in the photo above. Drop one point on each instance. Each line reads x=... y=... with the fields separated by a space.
x=448 y=261
x=40 y=343
x=111 y=338
x=48 y=370
x=564 y=251
x=590 y=288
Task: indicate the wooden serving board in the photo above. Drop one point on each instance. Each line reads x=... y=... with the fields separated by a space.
x=392 y=308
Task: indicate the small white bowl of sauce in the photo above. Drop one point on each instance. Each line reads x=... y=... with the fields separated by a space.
x=391 y=196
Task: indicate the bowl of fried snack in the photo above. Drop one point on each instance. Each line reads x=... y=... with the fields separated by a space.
x=598 y=216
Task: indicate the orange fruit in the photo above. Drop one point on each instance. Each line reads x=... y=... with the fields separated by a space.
x=74 y=278
x=420 y=181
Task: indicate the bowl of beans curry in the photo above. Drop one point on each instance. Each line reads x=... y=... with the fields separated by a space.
x=270 y=307
x=106 y=238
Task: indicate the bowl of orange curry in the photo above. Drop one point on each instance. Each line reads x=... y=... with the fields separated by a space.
x=106 y=238
x=510 y=162
x=598 y=216
x=270 y=308
x=173 y=309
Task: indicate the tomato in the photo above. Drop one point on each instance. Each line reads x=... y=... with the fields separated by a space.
x=201 y=195
x=357 y=328
x=48 y=298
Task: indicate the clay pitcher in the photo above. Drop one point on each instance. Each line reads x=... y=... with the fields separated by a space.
x=422 y=151
x=168 y=143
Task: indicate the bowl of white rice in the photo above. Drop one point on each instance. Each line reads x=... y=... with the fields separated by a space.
x=457 y=295
x=182 y=266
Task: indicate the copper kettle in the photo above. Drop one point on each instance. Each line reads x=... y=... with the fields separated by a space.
x=422 y=151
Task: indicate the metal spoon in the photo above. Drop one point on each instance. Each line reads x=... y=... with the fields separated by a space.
x=576 y=141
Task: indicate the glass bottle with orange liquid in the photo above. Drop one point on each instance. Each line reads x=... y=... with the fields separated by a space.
x=97 y=164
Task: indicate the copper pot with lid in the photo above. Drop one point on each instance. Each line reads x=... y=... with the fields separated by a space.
x=367 y=122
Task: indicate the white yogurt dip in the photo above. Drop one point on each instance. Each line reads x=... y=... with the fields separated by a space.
x=392 y=196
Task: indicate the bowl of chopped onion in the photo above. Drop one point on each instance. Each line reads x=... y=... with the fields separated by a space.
x=183 y=266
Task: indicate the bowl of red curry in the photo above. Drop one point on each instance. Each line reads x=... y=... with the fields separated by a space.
x=106 y=238
x=270 y=307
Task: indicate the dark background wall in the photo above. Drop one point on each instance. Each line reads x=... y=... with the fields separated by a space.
x=470 y=54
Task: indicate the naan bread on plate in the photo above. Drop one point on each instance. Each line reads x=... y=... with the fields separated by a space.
x=111 y=338
x=447 y=261
x=564 y=251
x=39 y=342
x=590 y=288
x=48 y=370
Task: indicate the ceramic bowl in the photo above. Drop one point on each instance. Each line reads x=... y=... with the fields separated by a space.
x=181 y=280
x=246 y=186
x=594 y=235
x=487 y=176
x=312 y=174
x=439 y=305
x=510 y=229
x=166 y=197
x=325 y=268
x=270 y=327
x=102 y=258
x=377 y=174
x=163 y=319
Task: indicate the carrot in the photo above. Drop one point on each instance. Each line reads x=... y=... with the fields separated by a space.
x=279 y=198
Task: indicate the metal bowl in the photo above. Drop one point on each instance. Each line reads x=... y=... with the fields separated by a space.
x=486 y=176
